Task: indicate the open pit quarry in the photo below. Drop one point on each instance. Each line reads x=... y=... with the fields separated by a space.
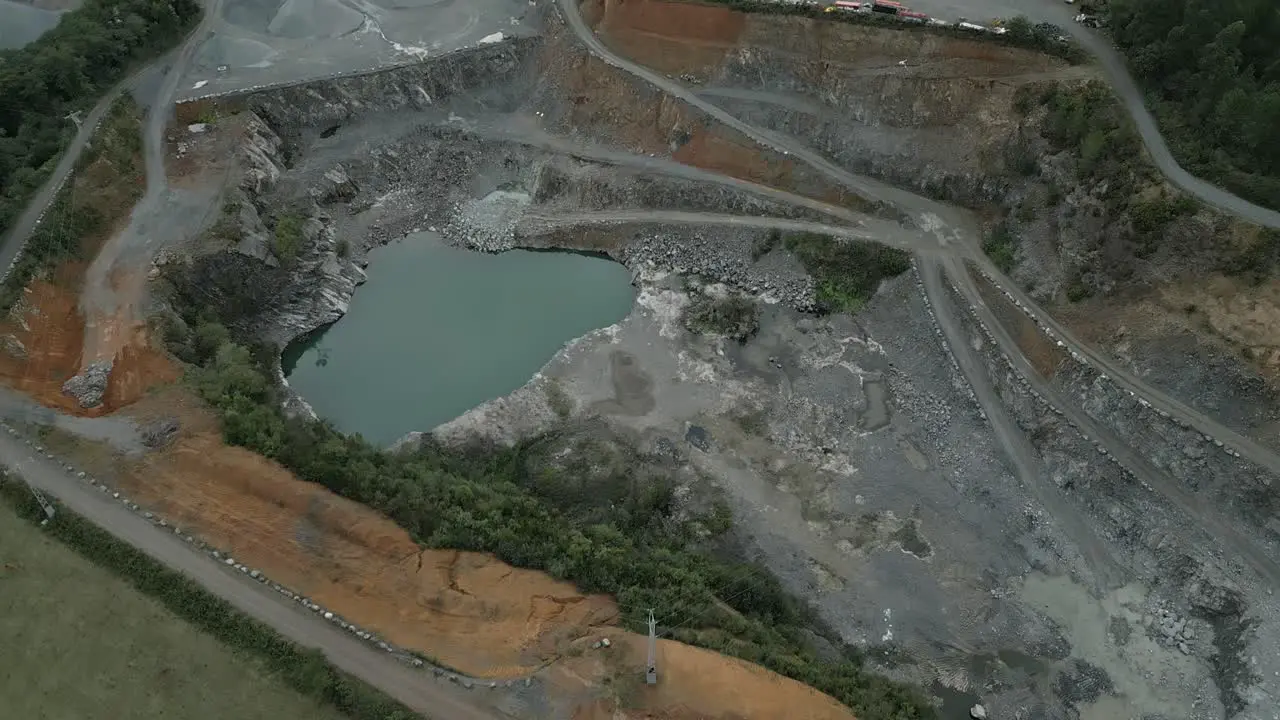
x=961 y=486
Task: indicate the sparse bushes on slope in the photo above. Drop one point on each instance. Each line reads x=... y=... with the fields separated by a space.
x=306 y=671
x=1087 y=124
x=999 y=246
x=597 y=519
x=287 y=239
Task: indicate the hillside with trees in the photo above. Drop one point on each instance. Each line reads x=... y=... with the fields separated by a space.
x=69 y=68
x=1212 y=72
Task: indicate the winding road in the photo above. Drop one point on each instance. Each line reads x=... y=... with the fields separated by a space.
x=1135 y=103
x=945 y=230
x=954 y=227
x=1026 y=462
x=26 y=223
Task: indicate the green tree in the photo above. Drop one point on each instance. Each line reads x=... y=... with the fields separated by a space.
x=1213 y=71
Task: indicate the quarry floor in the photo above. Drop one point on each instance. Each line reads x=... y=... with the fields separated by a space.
x=874 y=485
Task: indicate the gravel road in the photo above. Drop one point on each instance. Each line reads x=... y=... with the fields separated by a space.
x=872 y=230
x=1171 y=489
x=955 y=230
x=1108 y=573
x=416 y=689
x=27 y=221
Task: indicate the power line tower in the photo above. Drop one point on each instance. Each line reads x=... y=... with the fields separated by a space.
x=39 y=496
x=651 y=667
x=44 y=504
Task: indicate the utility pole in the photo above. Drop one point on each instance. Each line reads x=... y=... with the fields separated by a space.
x=651 y=668
x=39 y=496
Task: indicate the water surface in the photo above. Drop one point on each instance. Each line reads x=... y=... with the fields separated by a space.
x=437 y=331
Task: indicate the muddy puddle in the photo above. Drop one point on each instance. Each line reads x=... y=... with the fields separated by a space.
x=438 y=330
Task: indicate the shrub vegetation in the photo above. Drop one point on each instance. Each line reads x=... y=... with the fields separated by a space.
x=612 y=530
x=847 y=272
x=735 y=316
x=67 y=69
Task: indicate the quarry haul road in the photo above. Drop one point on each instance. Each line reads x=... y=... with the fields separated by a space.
x=1108 y=573
x=805 y=105
x=953 y=225
x=671 y=168
x=159 y=112
x=1157 y=480
x=871 y=189
x=415 y=688
x=22 y=229
x=1248 y=448
x=965 y=231
x=905 y=240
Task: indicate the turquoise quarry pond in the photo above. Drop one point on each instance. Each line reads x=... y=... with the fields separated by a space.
x=436 y=331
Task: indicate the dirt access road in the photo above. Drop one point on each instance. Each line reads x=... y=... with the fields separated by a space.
x=415 y=688
x=26 y=224
x=1108 y=573
x=152 y=221
x=956 y=232
x=1154 y=478
x=963 y=232
x=153 y=141
x=879 y=232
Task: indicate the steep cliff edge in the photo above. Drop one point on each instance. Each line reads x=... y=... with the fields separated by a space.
x=280 y=272
x=794 y=418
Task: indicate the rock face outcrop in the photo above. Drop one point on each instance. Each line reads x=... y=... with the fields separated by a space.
x=89 y=387
x=315 y=107
x=285 y=271
x=286 y=274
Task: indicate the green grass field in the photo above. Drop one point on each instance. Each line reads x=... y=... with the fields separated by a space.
x=79 y=643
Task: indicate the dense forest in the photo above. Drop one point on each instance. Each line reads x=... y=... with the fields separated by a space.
x=1212 y=68
x=69 y=68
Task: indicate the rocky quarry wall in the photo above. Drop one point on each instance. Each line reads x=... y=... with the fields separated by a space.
x=453 y=145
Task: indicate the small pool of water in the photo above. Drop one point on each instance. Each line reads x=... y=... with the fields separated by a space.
x=437 y=331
